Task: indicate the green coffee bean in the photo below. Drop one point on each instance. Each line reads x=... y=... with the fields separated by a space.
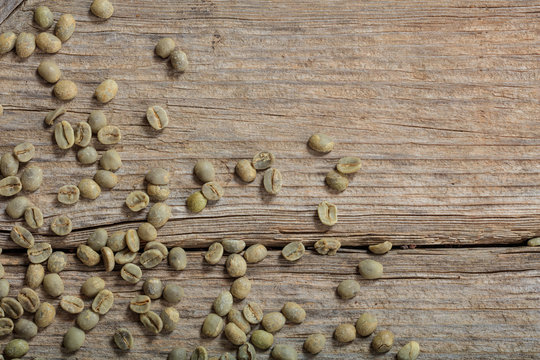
x=236 y=265
x=65 y=27
x=87 y=255
x=349 y=165
x=327 y=246
x=109 y=135
x=262 y=339
x=381 y=248
x=10 y=186
x=22 y=237
x=273 y=322
x=72 y=304
x=9 y=165
x=241 y=287
x=370 y=269
x=328 y=213
x=25 y=44
x=122 y=337
x=204 y=170
x=293 y=251
x=4 y=288
x=89 y=189
x=12 y=308
x=158 y=192
x=158 y=246
x=153 y=288
x=68 y=194
x=246 y=352
x=137 y=200
x=102 y=9
x=7 y=42
x=158 y=176
x=73 y=339
x=57 y=262
x=105 y=92
x=534 y=242
x=108 y=257
x=173 y=293
x=147 y=232
x=28 y=299
x=314 y=343
x=234 y=334
x=255 y=253
x=17 y=206
x=51 y=73
x=63 y=133
x=92 y=286
x=345 y=333
x=253 y=312
x=245 y=171
x=106 y=179
x=157 y=117
x=238 y=319
x=179 y=60
x=16 y=348
x=336 y=181
x=233 y=246
x=87 y=155
x=98 y=239
x=347 y=289
x=43 y=17
x=272 y=181
x=140 y=304
x=164 y=47
x=131 y=273
x=48 y=43
x=83 y=134
x=117 y=240
x=409 y=351
x=212 y=191
x=24 y=152
x=44 y=315
x=132 y=240
x=6 y=326
x=283 y=352
x=152 y=322
x=53 y=285
x=178 y=354
x=110 y=160
x=103 y=302
x=39 y=253
x=34 y=275
x=97 y=120
x=196 y=202
x=214 y=253
x=263 y=160
x=321 y=143
x=31 y=178
x=65 y=90
x=25 y=329
x=223 y=303
x=293 y=312
x=151 y=258
x=159 y=214
x=212 y=326
x=382 y=341
x=87 y=320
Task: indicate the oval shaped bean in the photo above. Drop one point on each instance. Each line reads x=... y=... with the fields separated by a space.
x=137 y=200
x=72 y=304
x=179 y=60
x=107 y=90
x=253 y=313
x=284 y=352
x=50 y=72
x=382 y=341
x=214 y=253
x=241 y=287
x=336 y=181
x=223 y=303
x=381 y=248
x=97 y=120
x=87 y=156
x=89 y=189
x=234 y=334
x=370 y=269
x=347 y=289
x=24 y=152
x=409 y=351
x=122 y=337
x=321 y=143
x=68 y=194
x=25 y=44
x=44 y=315
x=65 y=90
x=293 y=251
x=64 y=135
x=110 y=160
x=164 y=47
x=87 y=255
x=102 y=9
x=212 y=191
x=9 y=165
x=73 y=339
x=103 y=302
x=314 y=343
x=7 y=41
x=152 y=322
x=83 y=134
x=61 y=225
x=53 y=285
x=28 y=299
x=16 y=207
x=31 y=178
x=106 y=179
x=87 y=320
x=33 y=217
x=48 y=43
x=212 y=326
x=131 y=273
x=157 y=117
x=39 y=253
x=345 y=333
x=255 y=253
x=159 y=214
x=262 y=339
x=273 y=322
x=245 y=171
x=10 y=186
x=65 y=26
x=140 y=304
x=236 y=265
x=43 y=17
x=22 y=237
x=328 y=213
x=349 y=165
x=293 y=312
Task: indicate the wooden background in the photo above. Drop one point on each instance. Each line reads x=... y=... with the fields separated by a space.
x=439 y=98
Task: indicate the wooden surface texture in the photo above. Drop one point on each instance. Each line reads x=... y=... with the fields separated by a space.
x=440 y=99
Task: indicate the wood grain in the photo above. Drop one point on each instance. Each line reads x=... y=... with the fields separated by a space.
x=7 y=7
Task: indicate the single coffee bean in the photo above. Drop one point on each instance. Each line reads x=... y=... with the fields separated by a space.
x=51 y=76
x=89 y=189
x=108 y=257
x=65 y=90
x=233 y=246
x=117 y=240
x=50 y=72
x=159 y=214
x=262 y=339
x=48 y=43
x=241 y=287
x=336 y=181
x=65 y=26
x=109 y=135
x=28 y=299
x=327 y=246
x=103 y=302
x=153 y=288
x=158 y=246
x=347 y=289
x=214 y=253
x=105 y=92
x=4 y=288
x=87 y=320
x=273 y=322
x=16 y=348
x=22 y=237
x=179 y=60
x=366 y=324
x=7 y=42
x=370 y=269
x=73 y=339
x=6 y=326
x=24 y=152
x=170 y=318
x=382 y=341
x=63 y=133
x=53 y=285
x=178 y=354
x=196 y=202
x=151 y=258
x=255 y=253
x=34 y=275
x=122 y=337
x=10 y=186
x=25 y=44
x=158 y=176
x=245 y=171
x=39 y=253
x=110 y=160
x=98 y=239
x=157 y=117
x=137 y=200
x=9 y=165
x=25 y=329
x=158 y=192
x=31 y=178
x=534 y=242
x=381 y=248
x=283 y=352
x=314 y=343
x=246 y=352
x=92 y=286
x=87 y=255
x=72 y=304
x=43 y=17
x=321 y=143
x=212 y=325
x=83 y=134
x=345 y=333
x=57 y=262
x=164 y=47
x=33 y=217
x=234 y=334
x=106 y=179
x=147 y=232
x=87 y=155
x=17 y=206
x=140 y=304
x=327 y=213
x=44 y=315
x=293 y=312
x=263 y=160
x=349 y=165
x=103 y=9
x=204 y=170
x=223 y=303
x=212 y=191
x=272 y=181
x=293 y=251
x=173 y=293
x=236 y=265
x=132 y=240
x=12 y=308
x=97 y=120
x=152 y=322
x=253 y=313
x=68 y=194
x=238 y=319
x=131 y=273
x=409 y=351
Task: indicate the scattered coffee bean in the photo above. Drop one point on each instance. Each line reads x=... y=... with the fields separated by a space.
x=122 y=337
x=328 y=213
x=179 y=60
x=39 y=253
x=25 y=329
x=28 y=299
x=50 y=75
x=255 y=253
x=108 y=257
x=151 y=258
x=137 y=200
x=262 y=339
x=57 y=262
x=370 y=269
x=293 y=312
x=152 y=322
x=321 y=143
x=214 y=253
x=173 y=293
x=65 y=90
x=336 y=181
x=272 y=181
x=48 y=43
x=158 y=246
x=83 y=134
x=68 y=194
x=178 y=354
x=117 y=240
x=53 y=285
x=34 y=275
x=72 y=304
x=409 y=351
x=98 y=239
x=17 y=206
x=9 y=165
x=253 y=313
x=233 y=246
x=327 y=246
x=147 y=232
x=212 y=191
x=158 y=192
x=273 y=322
x=25 y=44
x=87 y=155
x=158 y=176
x=44 y=315
x=314 y=343
x=24 y=152
x=109 y=135
x=236 y=317
x=50 y=72
x=382 y=341
x=87 y=255
x=7 y=42
x=87 y=320
x=97 y=120
x=10 y=186
x=4 y=288
x=241 y=287
x=73 y=339
x=381 y=248
x=63 y=133
x=236 y=265
x=177 y=258
x=43 y=17
x=16 y=348
x=263 y=160
x=131 y=273
x=132 y=240
x=345 y=333
x=159 y=214
x=293 y=251
x=534 y=242
x=65 y=26
x=105 y=92
x=103 y=9
x=347 y=289
x=246 y=352
x=245 y=171
x=140 y=304
x=110 y=160
x=31 y=178
x=12 y=308
x=92 y=286
x=234 y=334
x=196 y=202
x=22 y=237
x=6 y=326
x=103 y=302
x=204 y=170
x=164 y=47
x=89 y=189
x=157 y=117
x=348 y=165
x=212 y=326
x=106 y=179
x=223 y=303
x=284 y=352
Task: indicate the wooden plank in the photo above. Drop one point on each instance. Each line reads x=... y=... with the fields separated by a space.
x=457 y=303
x=7 y=7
